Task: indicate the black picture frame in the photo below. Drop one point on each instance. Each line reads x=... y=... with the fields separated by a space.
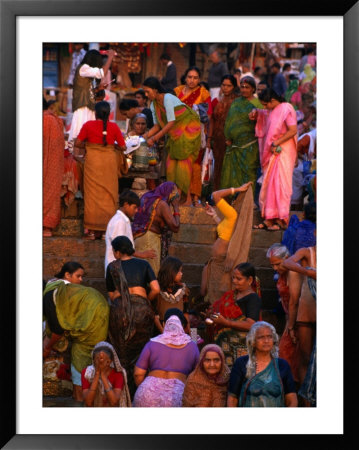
x=10 y=9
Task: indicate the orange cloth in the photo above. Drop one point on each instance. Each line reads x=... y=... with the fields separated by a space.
x=53 y=168
x=100 y=186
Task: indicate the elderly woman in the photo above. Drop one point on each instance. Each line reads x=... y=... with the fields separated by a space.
x=131 y=314
x=162 y=369
x=182 y=126
x=261 y=379
x=207 y=385
x=78 y=313
x=277 y=254
x=138 y=125
x=104 y=383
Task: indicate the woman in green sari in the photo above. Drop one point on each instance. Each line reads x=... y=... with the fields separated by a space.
x=182 y=126
x=241 y=160
x=79 y=314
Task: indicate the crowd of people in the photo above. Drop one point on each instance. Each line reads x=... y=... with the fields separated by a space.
x=137 y=347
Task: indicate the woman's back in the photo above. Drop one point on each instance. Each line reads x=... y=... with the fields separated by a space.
x=157 y=356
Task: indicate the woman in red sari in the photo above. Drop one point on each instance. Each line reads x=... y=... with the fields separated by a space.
x=215 y=138
x=191 y=93
x=53 y=169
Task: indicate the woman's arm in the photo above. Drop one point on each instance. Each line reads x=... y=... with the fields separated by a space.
x=111 y=54
x=291 y=400
x=217 y=195
x=295 y=285
x=49 y=342
x=155 y=129
x=154 y=290
x=113 y=395
x=171 y=220
x=292 y=131
x=89 y=394
x=157 y=136
x=210 y=132
x=241 y=325
x=139 y=375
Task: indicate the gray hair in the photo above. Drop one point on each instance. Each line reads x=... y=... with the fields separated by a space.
x=251 y=340
x=278 y=250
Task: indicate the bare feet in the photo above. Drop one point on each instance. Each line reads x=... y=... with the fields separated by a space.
x=47 y=232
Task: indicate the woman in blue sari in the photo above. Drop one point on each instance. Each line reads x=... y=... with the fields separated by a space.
x=261 y=379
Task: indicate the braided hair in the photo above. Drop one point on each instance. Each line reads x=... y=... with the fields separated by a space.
x=102 y=112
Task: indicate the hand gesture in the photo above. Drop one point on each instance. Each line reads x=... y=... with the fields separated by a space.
x=111 y=53
x=218 y=319
x=210 y=210
x=151 y=254
x=244 y=187
x=150 y=142
x=311 y=273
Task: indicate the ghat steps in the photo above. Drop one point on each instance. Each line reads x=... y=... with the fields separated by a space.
x=192 y=244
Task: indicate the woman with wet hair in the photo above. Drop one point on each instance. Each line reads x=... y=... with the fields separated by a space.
x=261 y=379
x=104 y=144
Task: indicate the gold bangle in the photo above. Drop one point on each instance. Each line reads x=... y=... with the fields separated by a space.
x=232 y=190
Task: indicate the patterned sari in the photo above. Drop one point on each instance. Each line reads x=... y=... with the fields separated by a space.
x=183 y=143
x=241 y=160
x=199 y=95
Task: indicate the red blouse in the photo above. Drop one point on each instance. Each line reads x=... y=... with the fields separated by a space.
x=91 y=131
x=115 y=378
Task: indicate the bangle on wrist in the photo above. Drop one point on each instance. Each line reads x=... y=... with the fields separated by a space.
x=290 y=329
x=232 y=190
x=108 y=390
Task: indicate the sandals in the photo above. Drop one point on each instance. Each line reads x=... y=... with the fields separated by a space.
x=264 y=226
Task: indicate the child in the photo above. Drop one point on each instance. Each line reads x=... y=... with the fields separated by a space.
x=174 y=293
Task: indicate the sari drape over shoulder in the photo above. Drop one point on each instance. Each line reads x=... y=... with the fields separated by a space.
x=53 y=168
x=183 y=143
x=276 y=191
x=84 y=313
x=241 y=160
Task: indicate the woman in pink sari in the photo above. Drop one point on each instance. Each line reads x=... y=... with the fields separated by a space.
x=277 y=161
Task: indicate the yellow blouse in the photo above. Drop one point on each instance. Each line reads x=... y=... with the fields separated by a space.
x=226 y=226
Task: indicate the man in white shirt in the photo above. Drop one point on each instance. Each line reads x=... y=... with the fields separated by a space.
x=120 y=225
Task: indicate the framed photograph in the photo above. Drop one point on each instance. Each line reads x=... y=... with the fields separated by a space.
x=25 y=26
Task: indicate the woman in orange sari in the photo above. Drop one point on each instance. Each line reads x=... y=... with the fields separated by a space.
x=53 y=169
x=102 y=169
x=192 y=94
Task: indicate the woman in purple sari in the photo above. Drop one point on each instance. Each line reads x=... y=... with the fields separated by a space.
x=154 y=217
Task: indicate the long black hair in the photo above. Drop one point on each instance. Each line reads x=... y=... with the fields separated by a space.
x=93 y=58
x=70 y=267
x=268 y=94
x=168 y=270
x=154 y=83
x=102 y=112
x=231 y=78
x=195 y=68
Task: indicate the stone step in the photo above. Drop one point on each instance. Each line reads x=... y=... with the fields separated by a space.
x=66 y=246
x=195 y=234
x=188 y=253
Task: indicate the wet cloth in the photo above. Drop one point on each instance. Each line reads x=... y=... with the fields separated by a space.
x=219 y=281
x=266 y=389
x=83 y=313
x=117 y=379
x=241 y=160
x=202 y=391
x=53 y=168
x=159 y=392
x=276 y=191
x=183 y=139
x=130 y=323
